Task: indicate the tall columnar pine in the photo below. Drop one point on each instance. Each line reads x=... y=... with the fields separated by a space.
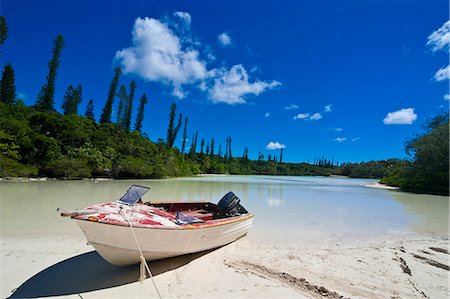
x=140 y=115
x=226 y=148
x=123 y=100
x=107 y=109
x=183 y=144
x=67 y=100
x=8 y=85
x=195 y=141
x=228 y=153
x=245 y=155
x=90 y=110
x=47 y=93
x=207 y=148
x=72 y=98
x=211 y=151
x=129 y=107
x=220 y=151
x=172 y=131
x=202 y=144
x=281 y=155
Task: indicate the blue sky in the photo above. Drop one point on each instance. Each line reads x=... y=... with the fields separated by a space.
x=318 y=77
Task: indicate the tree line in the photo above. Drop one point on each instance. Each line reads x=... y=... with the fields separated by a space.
x=39 y=141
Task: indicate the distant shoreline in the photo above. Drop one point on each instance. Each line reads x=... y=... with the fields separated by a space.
x=377 y=185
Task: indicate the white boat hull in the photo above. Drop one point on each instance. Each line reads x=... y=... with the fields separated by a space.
x=117 y=245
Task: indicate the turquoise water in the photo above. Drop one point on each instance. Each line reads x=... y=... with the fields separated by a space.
x=297 y=208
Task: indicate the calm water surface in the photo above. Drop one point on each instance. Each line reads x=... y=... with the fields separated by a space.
x=298 y=208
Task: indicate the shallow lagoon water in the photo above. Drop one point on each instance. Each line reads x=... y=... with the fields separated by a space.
x=297 y=208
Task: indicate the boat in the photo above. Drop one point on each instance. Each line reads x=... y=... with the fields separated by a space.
x=125 y=230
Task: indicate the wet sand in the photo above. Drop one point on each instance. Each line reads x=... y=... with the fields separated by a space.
x=49 y=257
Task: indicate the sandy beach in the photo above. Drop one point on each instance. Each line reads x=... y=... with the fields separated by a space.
x=398 y=267
x=47 y=256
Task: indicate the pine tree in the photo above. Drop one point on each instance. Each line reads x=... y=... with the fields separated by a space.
x=8 y=85
x=78 y=97
x=140 y=115
x=107 y=110
x=245 y=155
x=67 y=100
x=47 y=93
x=229 y=148
x=207 y=148
x=90 y=110
x=202 y=144
x=172 y=131
x=211 y=151
x=183 y=145
x=226 y=148
x=127 y=122
x=220 y=151
x=281 y=156
x=123 y=100
x=72 y=98
x=195 y=141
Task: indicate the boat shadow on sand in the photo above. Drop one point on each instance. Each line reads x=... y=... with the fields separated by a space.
x=89 y=272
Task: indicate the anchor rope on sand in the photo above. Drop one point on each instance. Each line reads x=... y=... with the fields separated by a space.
x=144 y=264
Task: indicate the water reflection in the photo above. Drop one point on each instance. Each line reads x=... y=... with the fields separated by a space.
x=306 y=207
x=430 y=212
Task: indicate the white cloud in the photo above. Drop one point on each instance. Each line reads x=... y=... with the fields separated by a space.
x=340 y=139
x=162 y=52
x=338 y=129
x=232 y=86
x=355 y=139
x=447 y=97
x=267 y=114
x=327 y=108
x=224 y=39
x=443 y=74
x=316 y=116
x=302 y=116
x=400 y=117
x=157 y=55
x=440 y=38
x=275 y=145
x=184 y=16
x=291 y=107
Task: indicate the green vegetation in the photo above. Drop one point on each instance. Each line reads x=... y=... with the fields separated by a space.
x=428 y=170
x=38 y=141
x=45 y=98
x=8 y=85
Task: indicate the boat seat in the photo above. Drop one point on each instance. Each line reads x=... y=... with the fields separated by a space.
x=200 y=214
x=183 y=218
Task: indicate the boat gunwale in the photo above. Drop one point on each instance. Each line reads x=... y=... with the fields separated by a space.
x=179 y=227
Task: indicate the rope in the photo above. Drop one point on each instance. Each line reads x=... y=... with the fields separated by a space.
x=144 y=264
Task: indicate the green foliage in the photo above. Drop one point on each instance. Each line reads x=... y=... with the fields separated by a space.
x=90 y=110
x=428 y=170
x=72 y=98
x=107 y=109
x=3 y=30
x=129 y=107
x=8 y=85
x=140 y=114
x=47 y=93
x=172 y=131
x=183 y=144
x=123 y=99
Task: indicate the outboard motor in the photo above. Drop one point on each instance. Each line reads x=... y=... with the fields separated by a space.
x=229 y=205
